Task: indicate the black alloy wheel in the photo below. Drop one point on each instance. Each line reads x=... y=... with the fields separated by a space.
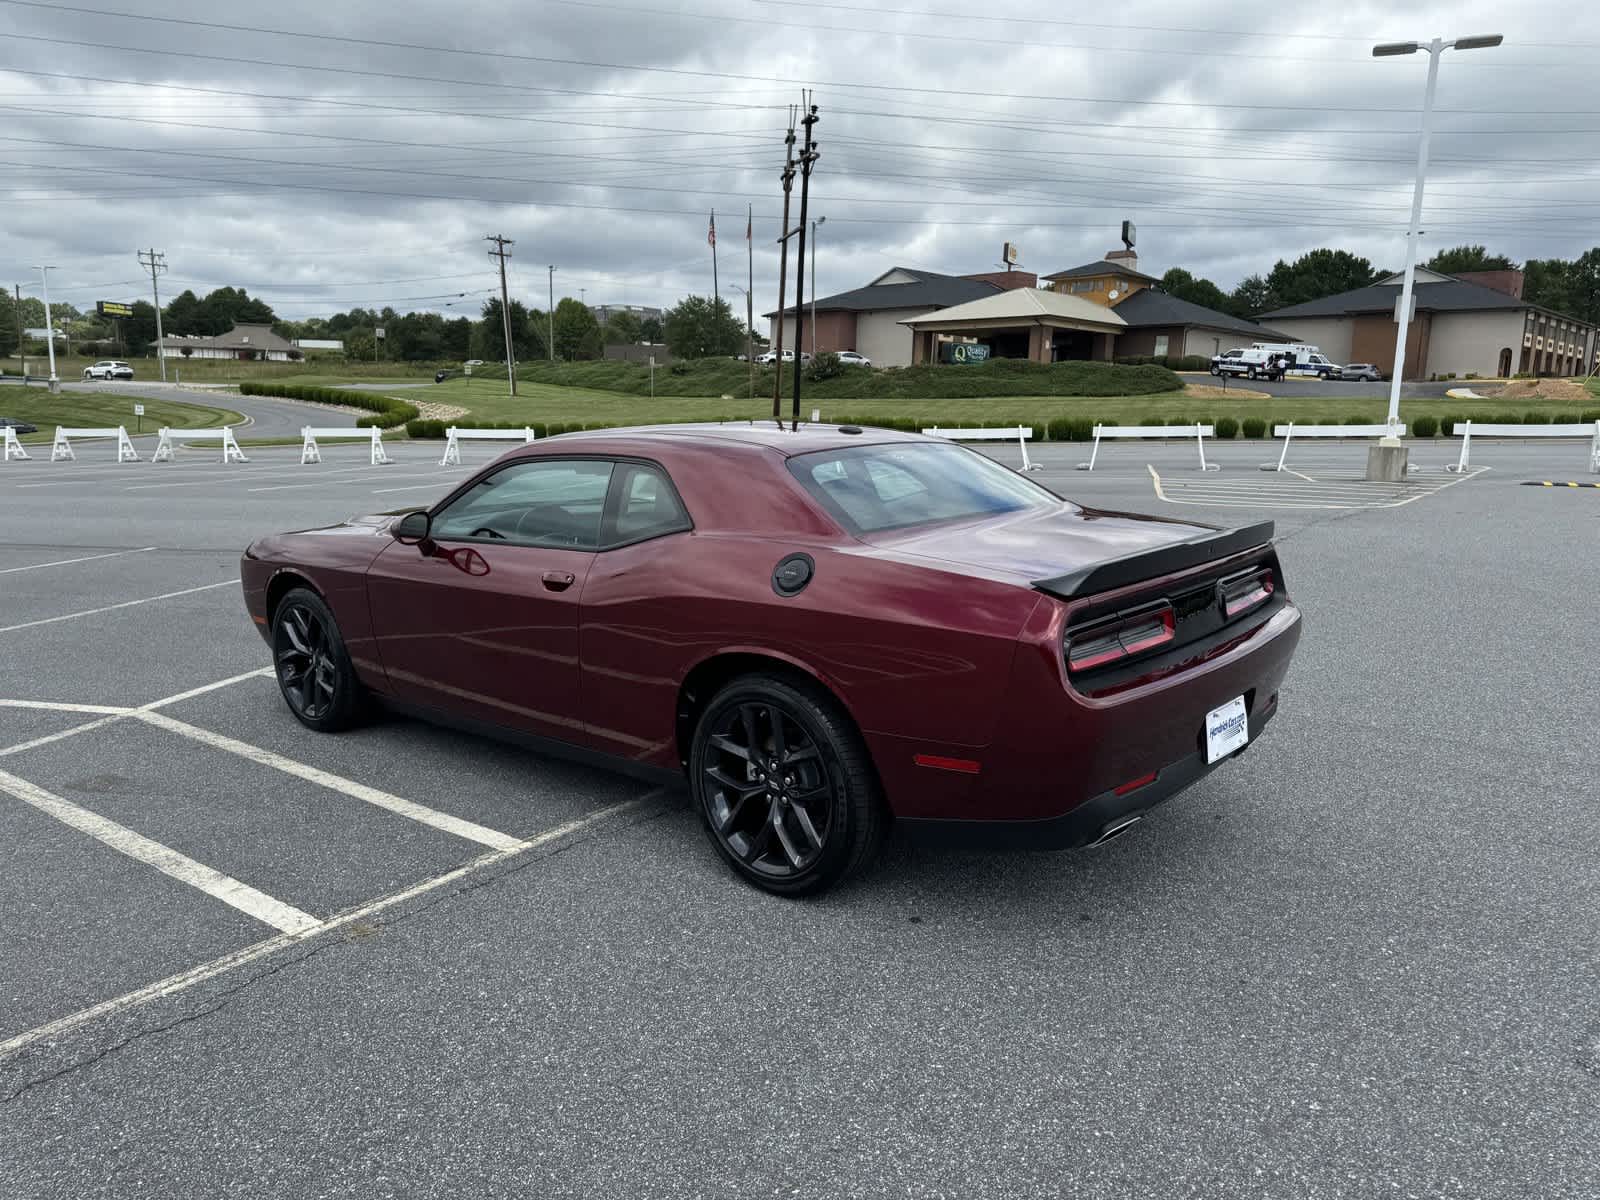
x=785 y=785
x=314 y=671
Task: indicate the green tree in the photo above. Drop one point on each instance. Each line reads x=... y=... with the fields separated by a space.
x=1547 y=282
x=650 y=330
x=1468 y=258
x=699 y=327
x=577 y=331
x=181 y=314
x=489 y=338
x=139 y=330
x=1178 y=282
x=623 y=329
x=1252 y=297
x=8 y=324
x=1318 y=273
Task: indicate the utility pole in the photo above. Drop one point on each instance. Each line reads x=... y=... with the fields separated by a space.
x=815 y=225
x=783 y=270
x=808 y=158
x=157 y=266
x=49 y=327
x=716 y=288
x=552 y=313
x=500 y=252
x=750 y=297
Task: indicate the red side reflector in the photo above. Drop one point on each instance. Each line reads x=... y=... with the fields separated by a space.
x=966 y=766
x=258 y=620
x=1134 y=785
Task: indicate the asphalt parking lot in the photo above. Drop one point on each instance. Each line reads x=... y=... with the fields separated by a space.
x=239 y=959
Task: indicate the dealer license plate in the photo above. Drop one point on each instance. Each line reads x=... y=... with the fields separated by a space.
x=1227 y=728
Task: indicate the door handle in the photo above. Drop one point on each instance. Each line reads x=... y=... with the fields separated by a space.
x=558 y=581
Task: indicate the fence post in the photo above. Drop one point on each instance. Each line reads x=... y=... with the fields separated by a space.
x=61 y=448
x=452 y=449
x=379 y=458
x=1594 y=451
x=1287 y=434
x=309 y=451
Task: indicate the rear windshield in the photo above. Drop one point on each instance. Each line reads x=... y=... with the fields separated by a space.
x=894 y=486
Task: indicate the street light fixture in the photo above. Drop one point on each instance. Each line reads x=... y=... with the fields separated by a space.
x=1403 y=317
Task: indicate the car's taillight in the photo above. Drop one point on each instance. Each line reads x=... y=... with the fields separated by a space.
x=1123 y=636
x=1246 y=591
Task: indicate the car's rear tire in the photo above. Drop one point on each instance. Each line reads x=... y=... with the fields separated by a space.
x=1251 y=373
x=312 y=666
x=785 y=785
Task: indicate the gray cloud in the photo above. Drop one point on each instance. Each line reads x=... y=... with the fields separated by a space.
x=322 y=173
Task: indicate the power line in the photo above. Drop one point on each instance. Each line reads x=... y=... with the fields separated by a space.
x=676 y=71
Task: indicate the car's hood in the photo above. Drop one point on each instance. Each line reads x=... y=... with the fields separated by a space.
x=1039 y=543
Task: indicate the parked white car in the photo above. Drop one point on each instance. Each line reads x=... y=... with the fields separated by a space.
x=108 y=369
x=851 y=359
x=771 y=357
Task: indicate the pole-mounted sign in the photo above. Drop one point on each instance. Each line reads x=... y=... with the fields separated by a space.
x=113 y=308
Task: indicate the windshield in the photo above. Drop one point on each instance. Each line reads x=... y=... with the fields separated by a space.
x=868 y=489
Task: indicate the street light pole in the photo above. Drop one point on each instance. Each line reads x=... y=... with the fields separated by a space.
x=1435 y=48
x=552 y=313
x=49 y=327
x=814 y=225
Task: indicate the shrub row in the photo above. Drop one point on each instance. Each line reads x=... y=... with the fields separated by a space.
x=388 y=410
x=997 y=377
x=1057 y=429
x=1173 y=362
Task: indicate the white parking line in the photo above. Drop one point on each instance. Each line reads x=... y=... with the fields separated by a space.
x=90 y=612
x=62 y=562
x=185 y=980
x=34 y=743
x=365 y=477
x=470 y=830
x=421 y=487
x=58 y=706
x=283 y=917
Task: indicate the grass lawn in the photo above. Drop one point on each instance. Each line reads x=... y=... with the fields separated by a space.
x=487 y=400
x=226 y=370
x=98 y=410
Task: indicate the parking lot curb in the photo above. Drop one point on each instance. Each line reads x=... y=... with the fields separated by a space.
x=1556 y=483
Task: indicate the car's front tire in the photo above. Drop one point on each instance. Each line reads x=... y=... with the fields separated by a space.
x=785 y=785
x=312 y=666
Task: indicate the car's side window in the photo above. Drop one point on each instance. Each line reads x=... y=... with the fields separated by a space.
x=545 y=502
x=646 y=505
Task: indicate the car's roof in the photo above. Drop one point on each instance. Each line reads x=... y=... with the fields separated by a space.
x=766 y=433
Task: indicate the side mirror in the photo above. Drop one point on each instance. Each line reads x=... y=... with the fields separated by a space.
x=412 y=529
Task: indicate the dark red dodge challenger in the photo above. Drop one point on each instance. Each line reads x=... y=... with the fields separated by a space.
x=824 y=628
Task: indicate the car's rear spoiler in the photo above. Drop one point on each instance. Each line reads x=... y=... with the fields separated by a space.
x=1163 y=560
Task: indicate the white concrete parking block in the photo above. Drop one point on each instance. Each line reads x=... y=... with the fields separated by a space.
x=282 y=917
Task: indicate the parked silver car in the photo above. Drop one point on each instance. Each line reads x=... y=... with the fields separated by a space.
x=1362 y=371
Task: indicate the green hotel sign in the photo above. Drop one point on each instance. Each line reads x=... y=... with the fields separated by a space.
x=963 y=352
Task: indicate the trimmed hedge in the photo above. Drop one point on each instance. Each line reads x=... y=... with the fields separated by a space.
x=1424 y=426
x=1227 y=427
x=1254 y=427
x=1173 y=362
x=390 y=411
x=995 y=378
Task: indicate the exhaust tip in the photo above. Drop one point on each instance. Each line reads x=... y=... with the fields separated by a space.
x=1116 y=829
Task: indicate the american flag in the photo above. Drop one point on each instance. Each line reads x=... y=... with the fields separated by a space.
x=711 y=236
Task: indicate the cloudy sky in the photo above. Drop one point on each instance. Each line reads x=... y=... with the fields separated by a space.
x=325 y=156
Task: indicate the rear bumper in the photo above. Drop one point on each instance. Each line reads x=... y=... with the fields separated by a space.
x=1088 y=822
